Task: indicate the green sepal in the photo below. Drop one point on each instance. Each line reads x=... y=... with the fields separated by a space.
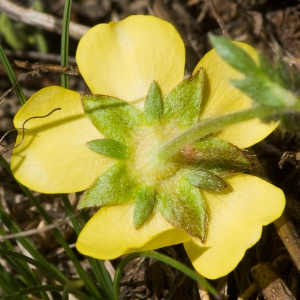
x=216 y=156
x=182 y=104
x=114 y=118
x=144 y=206
x=183 y=206
x=205 y=180
x=114 y=187
x=265 y=92
x=109 y=148
x=153 y=105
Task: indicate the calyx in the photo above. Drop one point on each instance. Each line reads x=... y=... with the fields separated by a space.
x=169 y=186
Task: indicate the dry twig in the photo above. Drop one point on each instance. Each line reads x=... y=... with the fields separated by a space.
x=37 y=230
x=2 y=98
x=37 y=67
x=271 y=286
x=40 y=20
x=284 y=226
x=218 y=18
x=37 y=56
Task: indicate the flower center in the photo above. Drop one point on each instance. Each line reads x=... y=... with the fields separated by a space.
x=149 y=168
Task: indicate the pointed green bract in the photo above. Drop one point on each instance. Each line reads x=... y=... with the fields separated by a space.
x=109 y=148
x=215 y=155
x=144 y=206
x=114 y=118
x=182 y=205
x=153 y=105
x=115 y=187
x=205 y=180
x=182 y=104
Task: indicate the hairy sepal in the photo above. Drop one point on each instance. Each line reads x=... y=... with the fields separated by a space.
x=216 y=156
x=114 y=118
x=110 y=148
x=182 y=104
x=182 y=205
x=144 y=206
x=115 y=187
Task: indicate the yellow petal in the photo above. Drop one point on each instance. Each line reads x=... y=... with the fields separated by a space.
x=53 y=157
x=122 y=59
x=221 y=98
x=110 y=233
x=236 y=222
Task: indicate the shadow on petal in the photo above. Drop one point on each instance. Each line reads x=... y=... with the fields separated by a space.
x=53 y=157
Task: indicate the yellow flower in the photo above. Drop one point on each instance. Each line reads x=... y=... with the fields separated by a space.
x=122 y=60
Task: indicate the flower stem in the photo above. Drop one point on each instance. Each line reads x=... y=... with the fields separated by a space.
x=208 y=126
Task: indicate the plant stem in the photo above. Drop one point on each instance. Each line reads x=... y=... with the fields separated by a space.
x=208 y=126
